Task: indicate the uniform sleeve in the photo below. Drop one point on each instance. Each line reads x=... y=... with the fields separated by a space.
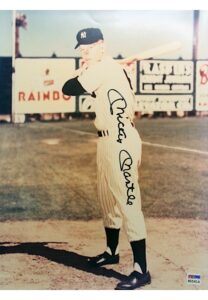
x=72 y=87
x=92 y=78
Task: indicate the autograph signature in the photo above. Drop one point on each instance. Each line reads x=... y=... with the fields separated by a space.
x=118 y=105
x=126 y=161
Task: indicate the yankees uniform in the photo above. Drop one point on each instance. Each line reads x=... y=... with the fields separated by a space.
x=118 y=157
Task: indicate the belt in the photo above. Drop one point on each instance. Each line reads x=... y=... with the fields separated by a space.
x=102 y=133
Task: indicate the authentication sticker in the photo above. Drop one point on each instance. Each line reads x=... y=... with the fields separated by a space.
x=194 y=279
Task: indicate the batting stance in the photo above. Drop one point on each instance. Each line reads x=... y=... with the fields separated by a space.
x=118 y=153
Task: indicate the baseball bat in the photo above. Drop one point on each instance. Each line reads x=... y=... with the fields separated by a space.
x=153 y=52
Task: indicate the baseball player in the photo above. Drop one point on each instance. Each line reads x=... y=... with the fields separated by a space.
x=118 y=153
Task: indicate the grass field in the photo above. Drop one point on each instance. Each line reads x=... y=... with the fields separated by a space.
x=41 y=181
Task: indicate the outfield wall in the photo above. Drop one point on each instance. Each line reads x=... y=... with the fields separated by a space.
x=159 y=85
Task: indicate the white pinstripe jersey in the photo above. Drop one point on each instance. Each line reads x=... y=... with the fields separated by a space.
x=119 y=153
x=114 y=97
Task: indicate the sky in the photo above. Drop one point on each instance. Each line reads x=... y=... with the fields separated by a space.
x=125 y=32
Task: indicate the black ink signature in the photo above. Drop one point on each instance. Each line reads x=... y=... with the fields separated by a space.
x=126 y=161
x=118 y=105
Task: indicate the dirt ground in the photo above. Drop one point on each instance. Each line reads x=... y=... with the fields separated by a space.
x=52 y=255
x=46 y=202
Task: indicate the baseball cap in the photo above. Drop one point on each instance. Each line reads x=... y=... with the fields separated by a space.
x=88 y=36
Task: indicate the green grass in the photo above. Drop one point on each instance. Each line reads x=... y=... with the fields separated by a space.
x=40 y=181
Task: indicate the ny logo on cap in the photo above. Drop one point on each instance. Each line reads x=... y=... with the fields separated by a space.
x=83 y=35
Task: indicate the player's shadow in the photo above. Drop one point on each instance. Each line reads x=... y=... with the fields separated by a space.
x=67 y=258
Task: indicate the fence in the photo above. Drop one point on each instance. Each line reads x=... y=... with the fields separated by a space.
x=159 y=85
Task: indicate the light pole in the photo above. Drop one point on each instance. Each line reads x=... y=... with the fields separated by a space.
x=20 y=22
x=195 y=34
x=196 y=16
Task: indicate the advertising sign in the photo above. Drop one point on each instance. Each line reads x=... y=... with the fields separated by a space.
x=165 y=86
x=38 y=85
x=165 y=77
x=151 y=103
x=202 y=86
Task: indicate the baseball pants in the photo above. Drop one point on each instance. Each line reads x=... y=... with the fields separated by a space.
x=118 y=187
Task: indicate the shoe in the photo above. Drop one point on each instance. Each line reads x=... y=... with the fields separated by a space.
x=135 y=280
x=103 y=259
